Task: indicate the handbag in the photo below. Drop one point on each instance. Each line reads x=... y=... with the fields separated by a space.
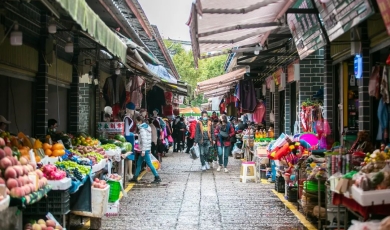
x=170 y=139
x=194 y=152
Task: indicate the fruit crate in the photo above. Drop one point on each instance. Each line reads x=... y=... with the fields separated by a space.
x=115 y=190
x=56 y=202
x=279 y=184
x=292 y=193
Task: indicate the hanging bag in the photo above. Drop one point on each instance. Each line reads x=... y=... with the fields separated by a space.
x=374 y=83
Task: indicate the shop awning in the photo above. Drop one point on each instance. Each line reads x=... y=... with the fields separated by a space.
x=219 y=25
x=177 y=88
x=162 y=72
x=221 y=80
x=190 y=111
x=90 y=22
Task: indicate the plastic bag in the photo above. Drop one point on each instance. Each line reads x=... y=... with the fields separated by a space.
x=194 y=152
x=368 y=225
x=155 y=162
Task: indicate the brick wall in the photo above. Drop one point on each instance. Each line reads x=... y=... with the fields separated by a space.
x=83 y=124
x=287 y=106
x=364 y=99
x=41 y=85
x=311 y=75
x=73 y=116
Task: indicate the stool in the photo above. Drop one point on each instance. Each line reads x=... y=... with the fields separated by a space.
x=248 y=171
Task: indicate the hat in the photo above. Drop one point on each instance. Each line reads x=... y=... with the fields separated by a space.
x=130 y=106
x=156 y=110
x=3 y=120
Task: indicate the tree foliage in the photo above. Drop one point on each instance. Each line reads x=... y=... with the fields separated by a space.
x=184 y=62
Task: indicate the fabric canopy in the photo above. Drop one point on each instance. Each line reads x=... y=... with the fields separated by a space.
x=162 y=72
x=218 y=25
x=189 y=110
x=228 y=77
x=90 y=22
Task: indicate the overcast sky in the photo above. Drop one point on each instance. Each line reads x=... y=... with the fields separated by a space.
x=170 y=16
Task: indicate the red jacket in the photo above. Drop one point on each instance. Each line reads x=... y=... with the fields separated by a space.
x=226 y=143
x=192 y=129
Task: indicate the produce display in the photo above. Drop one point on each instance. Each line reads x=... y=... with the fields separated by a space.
x=84 y=140
x=99 y=184
x=74 y=170
x=109 y=146
x=42 y=225
x=115 y=177
x=52 y=173
x=88 y=149
x=56 y=150
x=15 y=173
x=87 y=156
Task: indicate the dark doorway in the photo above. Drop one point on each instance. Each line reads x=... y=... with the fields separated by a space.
x=282 y=111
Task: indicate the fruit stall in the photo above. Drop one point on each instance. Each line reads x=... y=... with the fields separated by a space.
x=43 y=180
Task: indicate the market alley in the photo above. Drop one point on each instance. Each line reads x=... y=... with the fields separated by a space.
x=191 y=199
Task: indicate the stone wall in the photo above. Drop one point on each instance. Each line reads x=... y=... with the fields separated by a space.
x=84 y=107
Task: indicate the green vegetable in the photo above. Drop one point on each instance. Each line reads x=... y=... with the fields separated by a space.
x=109 y=146
x=119 y=144
x=119 y=137
x=378 y=178
x=69 y=165
x=103 y=141
x=127 y=146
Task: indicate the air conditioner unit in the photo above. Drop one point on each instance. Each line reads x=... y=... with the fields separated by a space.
x=297 y=72
x=355 y=36
x=282 y=84
x=272 y=87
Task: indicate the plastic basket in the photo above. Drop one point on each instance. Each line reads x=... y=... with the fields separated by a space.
x=292 y=193
x=280 y=184
x=57 y=203
x=115 y=190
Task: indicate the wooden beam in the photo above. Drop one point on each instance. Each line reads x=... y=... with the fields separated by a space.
x=238 y=11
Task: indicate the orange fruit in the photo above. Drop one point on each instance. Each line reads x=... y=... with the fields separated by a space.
x=48 y=152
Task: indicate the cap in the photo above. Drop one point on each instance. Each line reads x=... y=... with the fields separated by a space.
x=130 y=106
x=3 y=120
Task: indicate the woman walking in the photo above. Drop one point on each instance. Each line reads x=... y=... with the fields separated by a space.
x=145 y=145
x=223 y=133
x=204 y=137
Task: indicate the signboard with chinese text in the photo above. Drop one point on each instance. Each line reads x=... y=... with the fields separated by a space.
x=306 y=30
x=384 y=7
x=111 y=127
x=339 y=16
x=291 y=71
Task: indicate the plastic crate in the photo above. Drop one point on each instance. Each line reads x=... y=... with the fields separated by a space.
x=292 y=193
x=57 y=203
x=115 y=190
x=279 y=184
x=263 y=173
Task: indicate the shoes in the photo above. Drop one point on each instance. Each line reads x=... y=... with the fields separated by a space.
x=157 y=180
x=219 y=168
x=226 y=170
x=134 y=179
x=207 y=165
x=204 y=168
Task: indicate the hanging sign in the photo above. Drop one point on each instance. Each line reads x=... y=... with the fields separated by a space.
x=306 y=30
x=358 y=66
x=384 y=7
x=339 y=16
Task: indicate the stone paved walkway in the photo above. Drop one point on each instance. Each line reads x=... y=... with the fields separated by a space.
x=190 y=199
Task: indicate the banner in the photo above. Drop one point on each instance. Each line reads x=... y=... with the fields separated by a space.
x=384 y=7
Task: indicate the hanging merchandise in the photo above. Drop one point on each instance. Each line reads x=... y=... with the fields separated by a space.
x=168 y=107
x=114 y=92
x=374 y=83
x=247 y=96
x=259 y=112
x=388 y=60
x=385 y=86
x=136 y=91
x=168 y=97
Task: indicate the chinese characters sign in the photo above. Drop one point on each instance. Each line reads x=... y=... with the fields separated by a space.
x=339 y=16
x=384 y=7
x=111 y=127
x=306 y=30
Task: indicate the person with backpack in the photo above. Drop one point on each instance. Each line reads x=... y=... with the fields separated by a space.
x=223 y=133
x=204 y=137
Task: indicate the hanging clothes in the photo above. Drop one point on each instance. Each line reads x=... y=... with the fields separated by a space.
x=136 y=92
x=114 y=91
x=385 y=86
x=383 y=117
x=247 y=96
x=222 y=107
x=155 y=100
x=231 y=109
x=259 y=112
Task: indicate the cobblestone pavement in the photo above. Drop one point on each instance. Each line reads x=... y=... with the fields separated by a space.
x=190 y=199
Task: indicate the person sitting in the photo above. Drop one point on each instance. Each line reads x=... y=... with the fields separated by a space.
x=3 y=124
x=52 y=126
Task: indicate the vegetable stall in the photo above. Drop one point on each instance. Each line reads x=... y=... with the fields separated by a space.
x=43 y=180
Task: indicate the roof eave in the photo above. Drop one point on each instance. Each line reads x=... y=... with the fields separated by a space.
x=136 y=8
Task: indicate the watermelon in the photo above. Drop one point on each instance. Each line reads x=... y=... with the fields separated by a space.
x=119 y=137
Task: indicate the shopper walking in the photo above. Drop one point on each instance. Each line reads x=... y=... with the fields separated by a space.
x=223 y=134
x=154 y=138
x=204 y=137
x=145 y=145
x=191 y=136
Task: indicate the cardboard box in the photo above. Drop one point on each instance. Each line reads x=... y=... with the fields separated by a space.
x=112 y=209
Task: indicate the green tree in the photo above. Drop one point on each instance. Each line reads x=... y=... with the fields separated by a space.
x=184 y=62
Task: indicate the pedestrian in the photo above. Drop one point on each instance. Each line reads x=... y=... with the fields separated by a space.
x=175 y=133
x=214 y=116
x=145 y=145
x=223 y=134
x=213 y=150
x=154 y=138
x=191 y=136
x=204 y=137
